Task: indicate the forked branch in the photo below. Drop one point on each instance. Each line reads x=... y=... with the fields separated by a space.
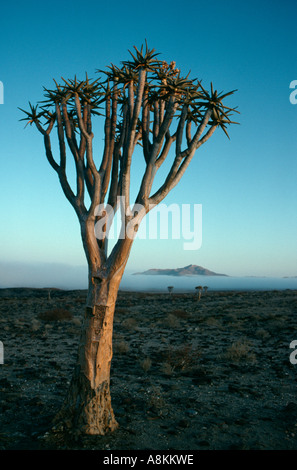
x=145 y=101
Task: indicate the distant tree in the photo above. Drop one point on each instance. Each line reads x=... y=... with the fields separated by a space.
x=145 y=101
x=199 y=290
x=170 y=289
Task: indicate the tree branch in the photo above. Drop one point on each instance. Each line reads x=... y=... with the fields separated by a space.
x=182 y=161
x=130 y=140
x=111 y=132
x=146 y=126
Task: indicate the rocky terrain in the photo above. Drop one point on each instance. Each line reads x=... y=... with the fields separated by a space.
x=187 y=374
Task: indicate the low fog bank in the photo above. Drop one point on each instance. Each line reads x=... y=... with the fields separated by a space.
x=42 y=275
x=159 y=283
x=62 y=276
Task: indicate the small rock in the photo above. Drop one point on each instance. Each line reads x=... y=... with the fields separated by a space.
x=120 y=412
x=4 y=383
x=203 y=443
x=183 y=423
x=191 y=412
x=172 y=431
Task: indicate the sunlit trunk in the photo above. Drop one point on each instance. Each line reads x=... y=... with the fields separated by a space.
x=87 y=408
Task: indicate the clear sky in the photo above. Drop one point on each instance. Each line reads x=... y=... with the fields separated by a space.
x=246 y=186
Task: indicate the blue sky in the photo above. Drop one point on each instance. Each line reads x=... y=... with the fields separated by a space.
x=247 y=186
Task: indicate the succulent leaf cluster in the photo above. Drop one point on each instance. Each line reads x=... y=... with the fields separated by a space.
x=162 y=82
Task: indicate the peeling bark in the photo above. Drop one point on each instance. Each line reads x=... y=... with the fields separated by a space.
x=87 y=408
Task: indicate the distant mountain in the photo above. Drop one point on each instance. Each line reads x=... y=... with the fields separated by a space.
x=191 y=270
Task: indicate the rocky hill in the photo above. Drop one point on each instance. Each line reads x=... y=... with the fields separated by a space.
x=190 y=270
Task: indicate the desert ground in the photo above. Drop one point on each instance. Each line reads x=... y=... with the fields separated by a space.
x=187 y=374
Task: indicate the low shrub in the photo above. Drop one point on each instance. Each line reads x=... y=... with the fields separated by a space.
x=55 y=314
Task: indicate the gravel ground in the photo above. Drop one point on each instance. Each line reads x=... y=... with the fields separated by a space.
x=213 y=374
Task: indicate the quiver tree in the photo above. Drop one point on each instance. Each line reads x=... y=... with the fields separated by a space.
x=144 y=101
x=170 y=289
x=199 y=290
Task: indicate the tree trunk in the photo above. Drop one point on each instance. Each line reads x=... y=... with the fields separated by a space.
x=87 y=408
